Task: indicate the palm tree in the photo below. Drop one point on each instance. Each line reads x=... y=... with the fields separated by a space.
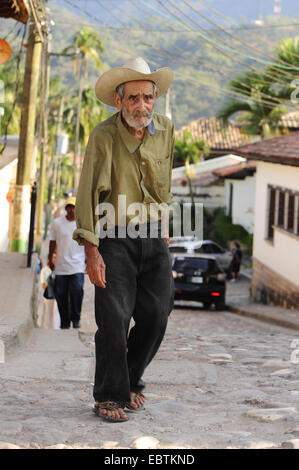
x=288 y=52
x=264 y=98
x=188 y=151
x=92 y=112
x=86 y=44
x=259 y=103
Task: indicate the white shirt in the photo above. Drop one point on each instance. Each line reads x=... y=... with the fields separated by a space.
x=70 y=257
x=44 y=274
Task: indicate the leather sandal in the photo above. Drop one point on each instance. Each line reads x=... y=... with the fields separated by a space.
x=109 y=406
x=140 y=407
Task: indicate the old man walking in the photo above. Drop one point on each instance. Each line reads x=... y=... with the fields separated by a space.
x=127 y=164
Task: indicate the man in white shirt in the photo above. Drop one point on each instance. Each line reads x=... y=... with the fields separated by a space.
x=69 y=266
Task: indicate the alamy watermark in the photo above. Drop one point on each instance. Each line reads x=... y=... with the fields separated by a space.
x=294 y=359
x=295 y=93
x=140 y=220
x=2 y=352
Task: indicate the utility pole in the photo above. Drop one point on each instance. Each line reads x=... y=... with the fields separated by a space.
x=44 y=139
x=167 y=104
x=56 y=163
x=21 y=206
x=76 y=151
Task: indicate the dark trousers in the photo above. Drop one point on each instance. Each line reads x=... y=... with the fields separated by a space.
x=69 y=297
x=138 y=284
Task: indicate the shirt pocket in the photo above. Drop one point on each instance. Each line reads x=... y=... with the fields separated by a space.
x=161 y=171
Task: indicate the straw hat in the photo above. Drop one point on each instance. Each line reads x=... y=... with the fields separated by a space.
x=133 y=69
x=71 y=201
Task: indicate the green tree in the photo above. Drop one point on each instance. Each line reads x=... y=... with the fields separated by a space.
x=187 y=152
x=86 y=44
x=259 y=104
x=12 y=94
x=288 y=53
x=92 y=112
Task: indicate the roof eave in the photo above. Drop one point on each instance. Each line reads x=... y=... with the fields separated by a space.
x=282 y=160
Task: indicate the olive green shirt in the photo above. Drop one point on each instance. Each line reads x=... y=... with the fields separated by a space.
x=117 y=163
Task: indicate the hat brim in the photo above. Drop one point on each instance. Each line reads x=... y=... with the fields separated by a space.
x=110 y=80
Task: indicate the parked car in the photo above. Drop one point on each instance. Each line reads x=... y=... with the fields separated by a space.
x=208 y=247
x=199 y=278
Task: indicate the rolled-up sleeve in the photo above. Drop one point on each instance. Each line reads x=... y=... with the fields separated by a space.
x=95 y=177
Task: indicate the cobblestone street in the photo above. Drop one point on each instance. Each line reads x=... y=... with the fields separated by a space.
x=219 y=381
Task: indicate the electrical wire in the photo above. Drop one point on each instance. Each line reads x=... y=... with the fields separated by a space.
x=219 y=47
x=233 y=36
x=268 y=103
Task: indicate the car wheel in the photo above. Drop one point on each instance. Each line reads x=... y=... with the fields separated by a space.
x=206 y=304
x=220 y=304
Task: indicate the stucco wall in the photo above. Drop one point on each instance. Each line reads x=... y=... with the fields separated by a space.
x=282 y=254
x=7 y=175
x=243 y=201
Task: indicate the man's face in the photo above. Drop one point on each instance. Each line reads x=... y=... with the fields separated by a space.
x=70 y=211
x=137 y=105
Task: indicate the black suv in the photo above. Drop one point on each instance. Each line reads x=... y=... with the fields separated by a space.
x=199 y=278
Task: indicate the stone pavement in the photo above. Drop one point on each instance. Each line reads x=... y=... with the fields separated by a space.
x=219 y=380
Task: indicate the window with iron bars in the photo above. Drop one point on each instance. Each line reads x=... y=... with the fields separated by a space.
x=283 y=210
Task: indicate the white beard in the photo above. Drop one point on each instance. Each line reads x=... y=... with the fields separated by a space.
x=132 y=122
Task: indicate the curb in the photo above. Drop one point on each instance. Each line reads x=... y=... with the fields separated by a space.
x=263 y=317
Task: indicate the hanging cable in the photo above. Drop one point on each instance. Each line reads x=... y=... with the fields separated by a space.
x=220 y=28
x=159 y=50
x=220 y=48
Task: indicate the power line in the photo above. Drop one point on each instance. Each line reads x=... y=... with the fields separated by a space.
x=219 y=47
x=268 y=103
x=220 y=28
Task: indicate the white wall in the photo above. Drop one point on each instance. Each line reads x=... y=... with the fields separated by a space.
x=243 y=201
x=208 y=165
x=282 y=255
x=7 y=174
x=211 y=196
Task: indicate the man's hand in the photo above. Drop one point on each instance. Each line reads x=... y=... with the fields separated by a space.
x=95 y=266
x=165 y=230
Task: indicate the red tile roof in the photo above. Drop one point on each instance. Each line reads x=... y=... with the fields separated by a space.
x=283 y=149
x=214 y=133
x=233 y=169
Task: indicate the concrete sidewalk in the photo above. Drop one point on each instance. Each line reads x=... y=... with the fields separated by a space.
x=19 y=298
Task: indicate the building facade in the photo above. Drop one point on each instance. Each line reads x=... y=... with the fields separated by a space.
x=275 y=277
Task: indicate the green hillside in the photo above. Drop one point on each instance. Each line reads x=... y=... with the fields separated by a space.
x=201 y=71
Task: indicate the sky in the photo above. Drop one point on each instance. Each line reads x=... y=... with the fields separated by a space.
x=234 y=9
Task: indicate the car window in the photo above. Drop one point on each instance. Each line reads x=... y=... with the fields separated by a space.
x=177 y=249
x=195 y=263
x=214 y=248
x=207 y=248
x=213 y=267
